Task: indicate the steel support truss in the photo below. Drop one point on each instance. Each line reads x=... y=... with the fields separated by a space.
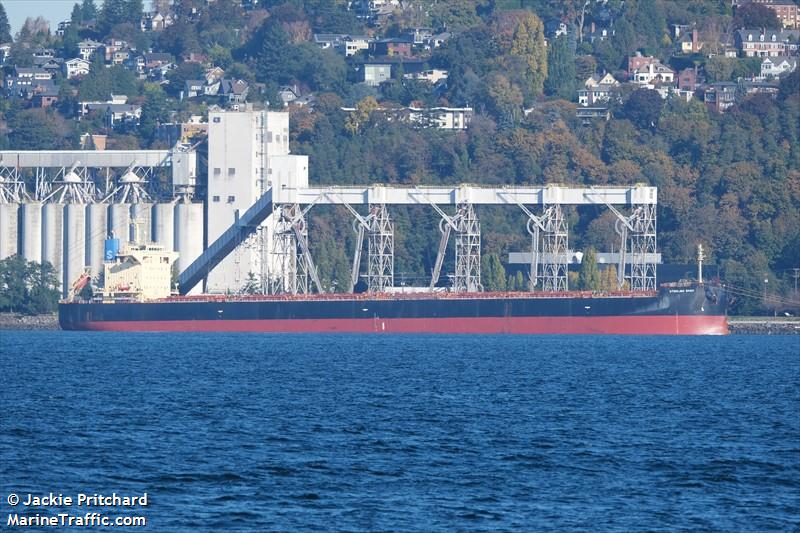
x=12 y=189
x=380 y=248
x=292 y=255
x=637 y=258
x=468 y=248
x=549 y=249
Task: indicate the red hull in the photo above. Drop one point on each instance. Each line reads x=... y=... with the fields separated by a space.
x=611 y=325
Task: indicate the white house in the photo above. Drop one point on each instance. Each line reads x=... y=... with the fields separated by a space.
x=597 y=90
x=773 y=67
x=86 y=49
x=652 y=73
x=76 y=67
x=343 y=43
x=433 y=76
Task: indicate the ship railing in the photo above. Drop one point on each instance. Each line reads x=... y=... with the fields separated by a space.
x=372 y=296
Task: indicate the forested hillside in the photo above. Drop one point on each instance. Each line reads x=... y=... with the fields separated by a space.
x=729 y=181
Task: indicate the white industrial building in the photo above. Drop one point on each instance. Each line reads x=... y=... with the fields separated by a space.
x=248 y=152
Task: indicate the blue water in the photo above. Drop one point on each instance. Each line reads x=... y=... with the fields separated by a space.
x=392 y=433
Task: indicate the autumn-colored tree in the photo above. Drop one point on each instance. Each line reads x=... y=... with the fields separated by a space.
x=506 y=99
x=528 y=44
x=589 y=279
x=357 y=119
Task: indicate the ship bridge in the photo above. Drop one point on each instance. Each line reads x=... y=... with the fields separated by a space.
x=284 y=209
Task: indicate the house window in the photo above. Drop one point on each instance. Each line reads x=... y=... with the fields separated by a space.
x=231 y=172
x=215 y=198
x=217 y=171
x=231 y=199
x=216 y=119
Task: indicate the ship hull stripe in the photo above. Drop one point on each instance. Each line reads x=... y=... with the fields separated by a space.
x=614 y=325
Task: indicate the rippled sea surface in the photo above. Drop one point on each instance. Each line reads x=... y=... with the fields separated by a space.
x=392 y=433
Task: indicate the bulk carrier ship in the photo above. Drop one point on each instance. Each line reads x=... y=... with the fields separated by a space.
x=137 y=297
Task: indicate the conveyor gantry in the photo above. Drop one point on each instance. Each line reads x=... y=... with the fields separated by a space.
x=640 y=243
x=245 y=226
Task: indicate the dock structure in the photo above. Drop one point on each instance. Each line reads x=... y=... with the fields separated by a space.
x=549 y=257
x=250 y=233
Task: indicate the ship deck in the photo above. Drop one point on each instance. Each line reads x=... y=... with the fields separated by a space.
x=519 y=295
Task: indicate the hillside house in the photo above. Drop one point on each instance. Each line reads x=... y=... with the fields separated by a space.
x=432 y=76
x=774 y=67
x=787 y=11
x=348 y=45
x=44 y=94
x=651 y=73
x=767 y=43
x=75 y=68
x=112 y=46
x=597 y=90
x=690 y=42
x=24 y=78
x=393 y=47
x=87 y=48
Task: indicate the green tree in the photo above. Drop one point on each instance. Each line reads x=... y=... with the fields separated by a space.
x=269 y=47
x=251 y=285
x=752 y=15
x=5 y=28
x=155 y=111
x=180 y=39
x=119 y=12
x=589 y=277
x=561 y=75
x=88 y=10
x=493 y=274
x=528 y=44
x=37 y=129
x=76 y=17
x=27 y=287
x=455 y=15
x=177 y=78
x=13 y=283
x=719 y=68
x=643 y=108
x=43 y=293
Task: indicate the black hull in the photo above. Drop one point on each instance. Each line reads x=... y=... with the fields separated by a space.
x=690 y=310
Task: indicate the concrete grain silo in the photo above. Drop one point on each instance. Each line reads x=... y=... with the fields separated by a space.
x=74 y=243
x=188 y=235
x=164 y=225
x=96 y=233
x=31 y=215
x=119 y=222
x=142 y=215
x=53 y=237
x=9 y=229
